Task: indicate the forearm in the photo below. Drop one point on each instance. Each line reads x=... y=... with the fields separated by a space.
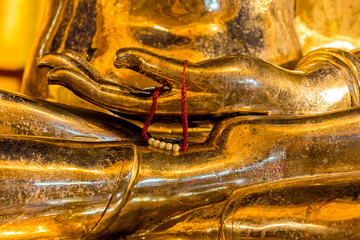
x=240 y=152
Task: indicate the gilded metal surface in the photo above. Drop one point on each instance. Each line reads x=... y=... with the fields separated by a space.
x=195 y=30
x=74 y=187
x=59 y=169
x=296 y=209
x=289 y=209
x=324 y=80
x=72 y=173
x=319 y=156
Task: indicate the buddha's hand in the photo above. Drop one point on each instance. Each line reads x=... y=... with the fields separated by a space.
x=207 y=95
x=217 y=87
x=245 y=84
x=221 y=86
x=72 y=71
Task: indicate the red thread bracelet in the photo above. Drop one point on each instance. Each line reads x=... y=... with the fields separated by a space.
x=184 y=114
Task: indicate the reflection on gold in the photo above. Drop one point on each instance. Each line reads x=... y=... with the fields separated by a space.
x=334 y=95
x=292 y=225
x=32 y=232
x=297 y=208
x=340 y=210
x=53 y=167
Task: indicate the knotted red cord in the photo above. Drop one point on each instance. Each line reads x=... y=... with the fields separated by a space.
x=151 y=114
x=184 y=114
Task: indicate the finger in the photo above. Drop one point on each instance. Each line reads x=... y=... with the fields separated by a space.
x=160 y=68
x=128 y=58
x=72 y=79
x=54 y=60
x=109 y=97
x=150 y=65
x=70 y=60
x=85 y=64
x=106 y=83
x=110 y=83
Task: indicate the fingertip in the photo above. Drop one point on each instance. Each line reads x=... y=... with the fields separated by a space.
x=51 y=60
x=127 y=60
x=56 y=75
x=43 y=60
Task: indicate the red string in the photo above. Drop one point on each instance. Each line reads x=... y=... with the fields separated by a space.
x=184 y=114
x=151 y=114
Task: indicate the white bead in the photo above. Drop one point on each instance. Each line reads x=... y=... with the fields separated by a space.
x=156 y=143
x=151 y=140
x=176 y=147
x=162 y=145
x=169 y=146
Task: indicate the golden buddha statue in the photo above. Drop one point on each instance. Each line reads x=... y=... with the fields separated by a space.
x=273 y=151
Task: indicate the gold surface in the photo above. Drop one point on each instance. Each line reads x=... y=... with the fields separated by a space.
x=287 y=167
x=91 y=177
x=324 y=80
x=203 y=30
x=59 y=170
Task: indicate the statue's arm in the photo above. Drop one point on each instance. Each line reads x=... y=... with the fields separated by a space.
x=62 y=180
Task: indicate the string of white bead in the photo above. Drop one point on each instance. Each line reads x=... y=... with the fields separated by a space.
x=163 y=145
